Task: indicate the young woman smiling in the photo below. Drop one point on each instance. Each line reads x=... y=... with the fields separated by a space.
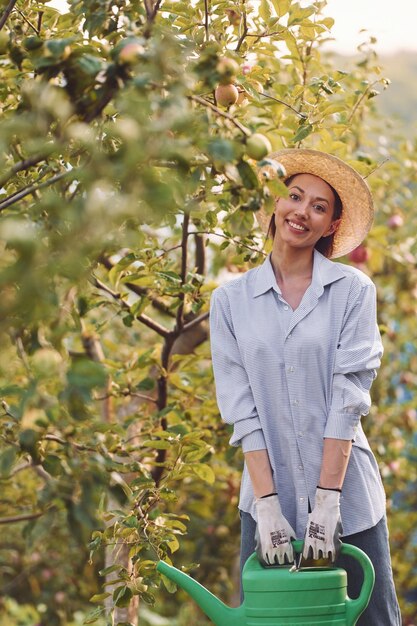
x=296 y=347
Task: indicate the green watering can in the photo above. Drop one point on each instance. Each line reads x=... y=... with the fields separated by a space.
x=274 y=596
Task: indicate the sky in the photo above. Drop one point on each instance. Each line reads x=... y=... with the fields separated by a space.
x=392 y=22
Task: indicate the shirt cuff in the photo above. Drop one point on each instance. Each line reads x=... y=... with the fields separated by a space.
x=342 y=426
x=254 y=441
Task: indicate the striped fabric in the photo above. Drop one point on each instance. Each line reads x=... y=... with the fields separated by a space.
x=285 y=379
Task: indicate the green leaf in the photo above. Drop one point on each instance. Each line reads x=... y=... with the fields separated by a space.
x=158 y=444
x=99 y=597
x=146 y=384
x=281 y=6
x=221 y=150
x=298 y=14
x=57 y=46
x=7 y=459
x=204 y=472
x=52 y=464
x=328 y=22
x=170 y=276
x=128 y=320
x=248 y=175
x=108 y=570
x=266 y=10
x=89 y=64
x=139 y=306
x=302 y=133
x=122 y=596
x=131 y=521
x=170 y=586
x=86 y=374
x=28 y=438
x=93 y=616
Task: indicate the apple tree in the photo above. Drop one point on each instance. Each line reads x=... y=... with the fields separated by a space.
x=132 y=139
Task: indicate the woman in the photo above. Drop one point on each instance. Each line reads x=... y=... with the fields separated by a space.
x=295 y=347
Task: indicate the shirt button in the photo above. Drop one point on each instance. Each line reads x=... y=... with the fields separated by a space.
x=300 y=434
x=291 y=369
x=300 y=467
x=302 y=499
x=286 y=308
x=295 y=403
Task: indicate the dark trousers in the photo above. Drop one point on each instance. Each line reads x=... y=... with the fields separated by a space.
x=383 y=609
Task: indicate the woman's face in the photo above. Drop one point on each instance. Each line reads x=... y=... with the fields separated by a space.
x=307 y=214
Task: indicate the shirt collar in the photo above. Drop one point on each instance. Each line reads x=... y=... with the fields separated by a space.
x=324 y=273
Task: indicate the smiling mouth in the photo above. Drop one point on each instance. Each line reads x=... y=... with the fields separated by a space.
x=302 y=229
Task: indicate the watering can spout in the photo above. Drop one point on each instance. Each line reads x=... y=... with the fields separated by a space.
x=219 y=613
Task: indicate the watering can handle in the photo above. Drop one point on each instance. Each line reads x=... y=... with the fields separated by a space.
x=354 y=608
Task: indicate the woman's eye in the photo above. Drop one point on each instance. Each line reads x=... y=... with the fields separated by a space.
x=294 y=196
x=321 y=208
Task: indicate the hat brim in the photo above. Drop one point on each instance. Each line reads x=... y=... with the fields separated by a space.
x=358 y=209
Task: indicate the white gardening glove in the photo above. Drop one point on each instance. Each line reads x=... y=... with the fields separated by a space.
x=324 y=526
x=273 y=533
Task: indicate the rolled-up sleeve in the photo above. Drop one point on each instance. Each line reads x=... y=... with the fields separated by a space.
x=234 y=394
x=358 y=357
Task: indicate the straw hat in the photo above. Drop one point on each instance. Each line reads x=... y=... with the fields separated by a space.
x=358 y=210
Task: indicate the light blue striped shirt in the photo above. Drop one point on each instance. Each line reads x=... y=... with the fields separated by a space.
x=286 y=379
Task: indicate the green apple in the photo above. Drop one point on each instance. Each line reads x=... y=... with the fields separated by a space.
x=258 y=146
x=227 y=69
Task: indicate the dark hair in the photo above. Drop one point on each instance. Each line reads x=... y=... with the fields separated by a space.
x=324 y=244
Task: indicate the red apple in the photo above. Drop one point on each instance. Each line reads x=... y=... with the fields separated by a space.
x=243 y=96
x=226 y=95
x=131 y=52
x=395 y=221
x=394 y=466
x=359 y=254
x=234 y=16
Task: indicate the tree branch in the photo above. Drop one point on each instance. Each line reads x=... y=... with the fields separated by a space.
x=7 y=12
x=152 y=10
x=21 y=165
x=20 y=518
x=360 y=100
x=130 y=394
x=28 y=22
x=195 y=321
x=40 y=18
x=184 y=244
x=20 y=468
x=22 y=354
x=289 y=106
x=229 y=117
x=244 y=31
x=234 y=241
x=15 y=197
x=94 y=350
x=206 y=19
x=141 y=291
x=64 y=442
x=162 y=401
x=147 y=321
x=377 y=167
x=200 y=254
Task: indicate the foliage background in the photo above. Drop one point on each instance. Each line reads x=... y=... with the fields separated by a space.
x=126 y=195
